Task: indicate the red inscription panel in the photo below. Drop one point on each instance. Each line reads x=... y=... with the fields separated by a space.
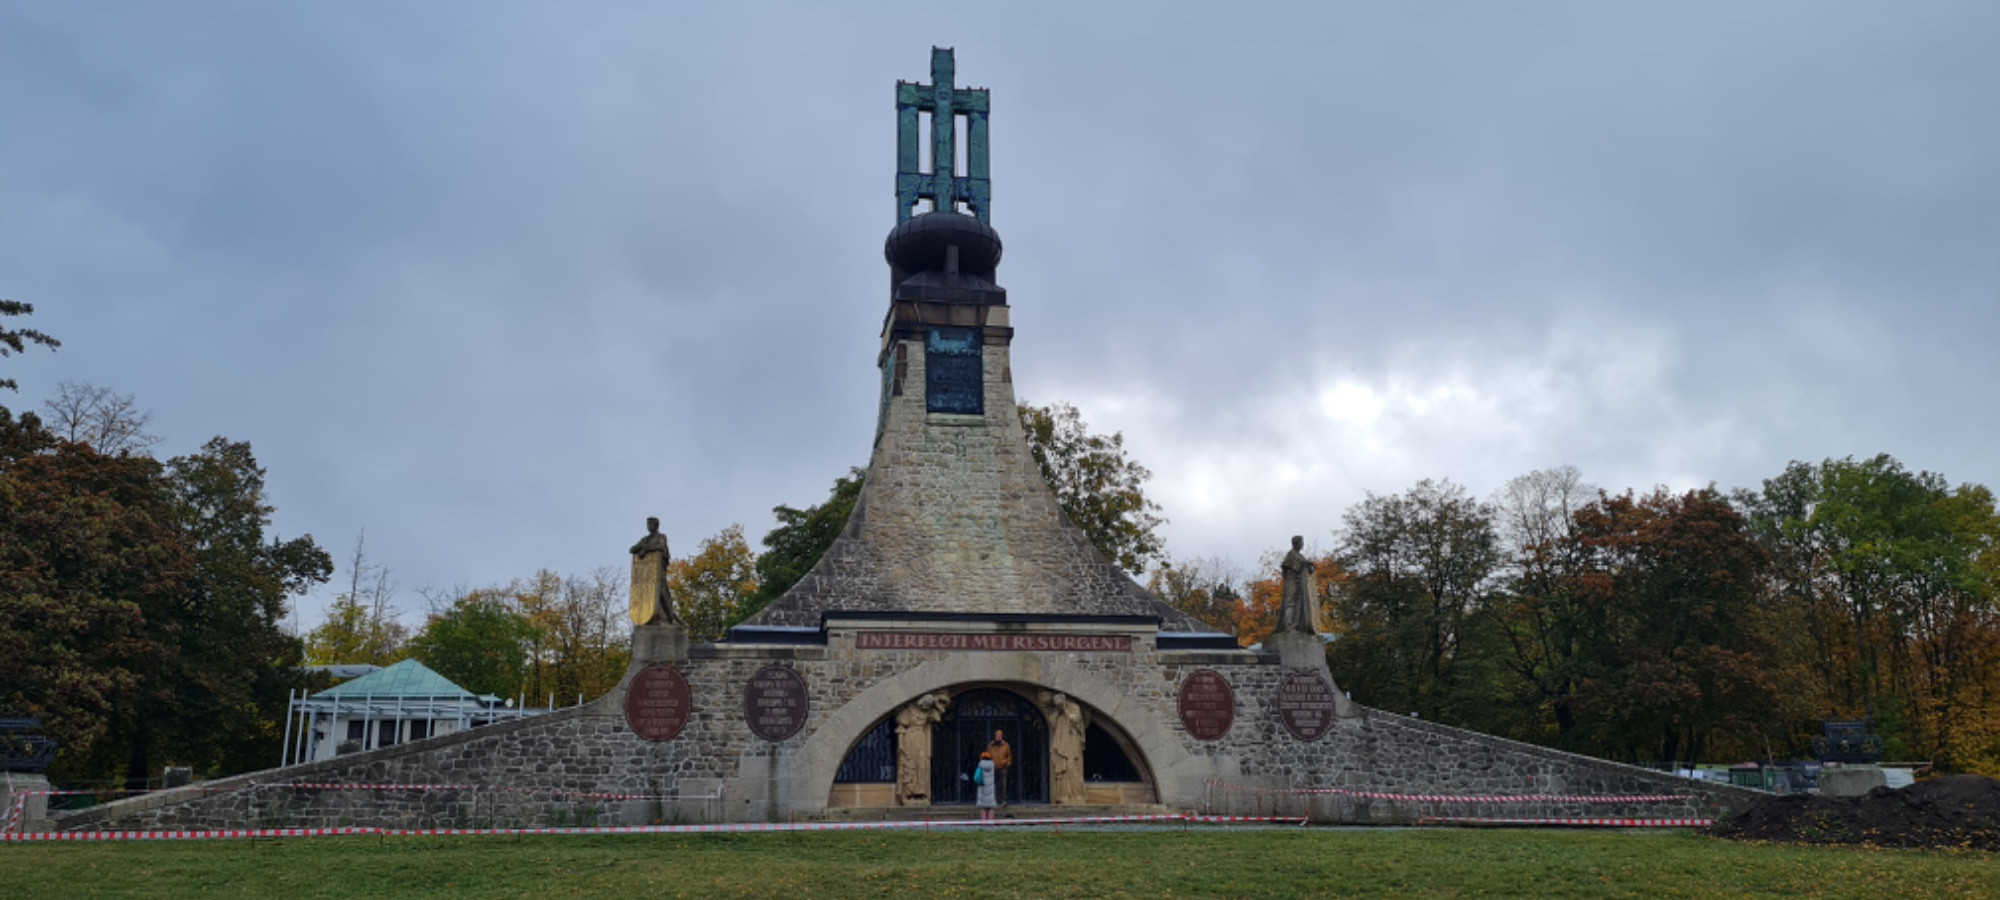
x=924 y=640
x=1305 y=703
x=1208 y=706
x=775 y=703
x=658 y=703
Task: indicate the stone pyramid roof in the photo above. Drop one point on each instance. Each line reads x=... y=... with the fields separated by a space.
x=954 y=516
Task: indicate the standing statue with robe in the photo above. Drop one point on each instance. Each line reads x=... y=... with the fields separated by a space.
x=1067 y=723
x=913 y=747
x=1298 y=605
x=652 y=600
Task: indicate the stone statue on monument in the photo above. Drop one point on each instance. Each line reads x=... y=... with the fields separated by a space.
x=913 y=747
x=652 y=601
x=1067 y=722
x=1298 y=605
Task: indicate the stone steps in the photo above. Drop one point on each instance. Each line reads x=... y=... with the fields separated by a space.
x=1011 y=811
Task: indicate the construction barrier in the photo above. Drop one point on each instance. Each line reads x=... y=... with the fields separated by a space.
x=1611 y=823
x=751 y=827
x=1433 y=808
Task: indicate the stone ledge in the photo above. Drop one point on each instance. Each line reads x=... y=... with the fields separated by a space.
x=756 y=651
x=1216 y=658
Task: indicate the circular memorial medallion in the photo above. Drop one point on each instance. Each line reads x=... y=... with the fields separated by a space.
x=1305 y=703
x=1208 y=706
x=775 y=703
x=658 y=703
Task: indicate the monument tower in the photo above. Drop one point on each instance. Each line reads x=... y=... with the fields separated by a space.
x=957 y=603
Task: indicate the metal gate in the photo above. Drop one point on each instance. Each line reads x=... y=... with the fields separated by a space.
x=958 y=739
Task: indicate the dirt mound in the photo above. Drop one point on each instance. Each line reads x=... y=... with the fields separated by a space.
x=1954 y=811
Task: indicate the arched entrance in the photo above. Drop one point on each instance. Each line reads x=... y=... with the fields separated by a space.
x=967 y=728
x=959 y=722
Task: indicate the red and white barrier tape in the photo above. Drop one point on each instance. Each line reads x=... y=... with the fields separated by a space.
x=335 y=786
x=1614 y=823
x=1465 y=798
x=907 y=825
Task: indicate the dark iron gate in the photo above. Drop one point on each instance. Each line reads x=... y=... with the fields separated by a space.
x=964 y=732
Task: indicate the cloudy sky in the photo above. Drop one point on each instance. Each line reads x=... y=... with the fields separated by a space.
x=494 y=281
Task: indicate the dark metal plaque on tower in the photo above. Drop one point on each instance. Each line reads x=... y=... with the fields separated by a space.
x=954 y=379
x=658 y=703
x=775 y=703
x=1208 y=706
x=1305 y=703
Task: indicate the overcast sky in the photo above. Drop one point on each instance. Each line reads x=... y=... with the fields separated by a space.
x=495 y=281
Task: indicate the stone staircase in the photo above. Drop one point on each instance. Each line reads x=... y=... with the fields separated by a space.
x=1010 y=812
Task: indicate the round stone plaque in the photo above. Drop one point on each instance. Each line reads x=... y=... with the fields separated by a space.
x=1208 y=706
x=775 y=703
x=1305 y=703
x=658 y=703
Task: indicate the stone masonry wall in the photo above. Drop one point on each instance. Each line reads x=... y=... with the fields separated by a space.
x=716 y=770
x=955 y=517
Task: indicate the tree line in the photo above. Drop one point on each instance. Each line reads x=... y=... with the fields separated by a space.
x=1663 y=626
x=142 y=600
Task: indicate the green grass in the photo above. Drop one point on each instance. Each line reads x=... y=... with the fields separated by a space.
x=1201 y=862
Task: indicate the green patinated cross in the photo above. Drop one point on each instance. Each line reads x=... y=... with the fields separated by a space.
x=943 y=186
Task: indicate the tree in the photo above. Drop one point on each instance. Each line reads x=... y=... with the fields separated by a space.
x=1540 y=611
x=713 y=588
x=361 y=625
x=236 y=662
x=92 y=564
x=1097 y=485
x=579 y=646
x=480 y=641
x=110 y=422
x=1419 y=565
x=801 y=538
x=16 y=340
x=1677 y=655
x=1882 y=570
x=1207 y=588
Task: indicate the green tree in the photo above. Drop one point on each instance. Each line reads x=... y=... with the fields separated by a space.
x=1418 y=566
x=236 y=661
x=16 y=340
x=801 y=538
x=1880 y=570
x=480 y=641
x=1098 y=486
x=713 y=588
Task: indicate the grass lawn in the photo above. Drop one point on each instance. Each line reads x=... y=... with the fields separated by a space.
x=1201 y=862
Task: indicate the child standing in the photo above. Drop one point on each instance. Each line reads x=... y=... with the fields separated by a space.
x=984 y=776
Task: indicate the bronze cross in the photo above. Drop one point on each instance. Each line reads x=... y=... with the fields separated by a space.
x=943 y=186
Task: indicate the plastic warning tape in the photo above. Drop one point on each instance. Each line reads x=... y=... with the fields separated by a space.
x=1466 y=798
x=1614 y=823
x=336 y=786
x=750 y=827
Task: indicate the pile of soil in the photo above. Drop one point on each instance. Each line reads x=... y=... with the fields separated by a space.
x=1954 y=811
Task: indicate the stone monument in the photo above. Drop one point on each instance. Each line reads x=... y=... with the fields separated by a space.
x=957 y=601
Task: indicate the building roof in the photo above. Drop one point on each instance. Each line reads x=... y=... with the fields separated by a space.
x=408 y=678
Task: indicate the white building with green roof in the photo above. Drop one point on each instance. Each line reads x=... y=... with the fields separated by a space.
x=403 y=702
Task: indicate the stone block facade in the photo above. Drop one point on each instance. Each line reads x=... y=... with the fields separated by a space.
x=530 y=773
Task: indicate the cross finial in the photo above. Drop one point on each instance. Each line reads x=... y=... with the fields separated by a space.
x=943 y=186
